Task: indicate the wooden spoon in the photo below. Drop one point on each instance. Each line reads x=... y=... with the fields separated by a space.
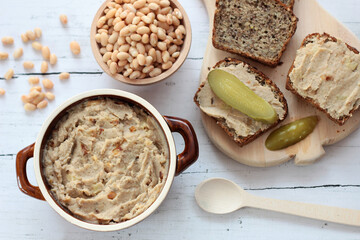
x=220 y=196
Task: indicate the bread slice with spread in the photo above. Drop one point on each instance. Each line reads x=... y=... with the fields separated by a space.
x=326 y=74
x=256 y=29
x=240 y=127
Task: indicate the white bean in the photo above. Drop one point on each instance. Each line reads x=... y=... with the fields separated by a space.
x=31 y=35
x=64 y=76
x=42 y=104
x=47 y=83
x=106 y=56
x=53 y=59
x=122 y=56
x=140 y=47
x=113 y=68
x=28 y=65
x=24 y=38
x=44 y=67
x=141 y=59
x=166 y=65
x=36 y=45
x=34 y=80
x=45 y=51
x=75 y=47
x=7 y=40
x=3 y=55
x=161 y=46
x=29 y=107
x=50 y=96
x=135 y=75
x=37 y=32
x=155 y=72
x=63 y=19
x=9 y=74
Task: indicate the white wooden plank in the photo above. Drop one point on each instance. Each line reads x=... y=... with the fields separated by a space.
x=22 y=217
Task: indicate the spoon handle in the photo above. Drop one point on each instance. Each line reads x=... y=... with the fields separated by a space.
x=320 y=212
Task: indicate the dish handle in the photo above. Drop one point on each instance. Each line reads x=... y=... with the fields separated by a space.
x=191 y=149
x=23 y=182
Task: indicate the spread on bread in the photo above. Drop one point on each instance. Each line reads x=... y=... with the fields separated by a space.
x=326 y=73
x=236 y=94
x=242 y=128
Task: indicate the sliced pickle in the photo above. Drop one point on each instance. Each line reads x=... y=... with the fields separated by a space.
x=291 y=133
x=239 y=96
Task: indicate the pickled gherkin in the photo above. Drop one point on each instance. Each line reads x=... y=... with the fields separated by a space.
x=236 y=94
x=291 y=133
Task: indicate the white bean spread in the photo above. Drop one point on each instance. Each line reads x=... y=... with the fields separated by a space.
x=106 y=161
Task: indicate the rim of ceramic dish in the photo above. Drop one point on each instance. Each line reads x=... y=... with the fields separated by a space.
x=171 y=171
x=185 y=49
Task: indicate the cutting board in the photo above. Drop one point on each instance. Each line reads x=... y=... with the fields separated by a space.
x=312 y=18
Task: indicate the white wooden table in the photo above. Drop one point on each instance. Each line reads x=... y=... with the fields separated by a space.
x=334 y=180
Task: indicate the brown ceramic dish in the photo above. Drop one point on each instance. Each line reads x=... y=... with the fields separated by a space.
x=177 y=163
x=180 y=60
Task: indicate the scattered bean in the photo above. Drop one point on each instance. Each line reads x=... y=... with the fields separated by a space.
x=36 y=46
x=53 y=59
x=18 y=53
x=28 y=65
x=75 y=47
x=30 y=35
x=47 y=83
x=29 y=107
x=3 y=55
x=44 y=67
x=50 y=96
x=38 y=98
x=35 y=89
x=45 y=51
x=64 y=75
x=7 y=40
x=42 y=104
x=34 y=80
x=24 y=38
x=37 y=32
x=2 y=91
x=63 y=19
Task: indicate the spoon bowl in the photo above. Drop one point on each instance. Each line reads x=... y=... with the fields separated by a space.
x=220 y=196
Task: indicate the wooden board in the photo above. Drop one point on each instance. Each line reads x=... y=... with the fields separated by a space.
x=312 y=18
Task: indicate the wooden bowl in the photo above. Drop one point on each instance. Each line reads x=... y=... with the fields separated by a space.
x=185 y=48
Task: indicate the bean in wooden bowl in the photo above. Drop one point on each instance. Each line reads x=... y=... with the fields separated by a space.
x=140 y=41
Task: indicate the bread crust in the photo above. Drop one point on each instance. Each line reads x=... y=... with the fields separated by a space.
x=271 y=63
x=241 y=141
x=291 y=5
x=340 y=121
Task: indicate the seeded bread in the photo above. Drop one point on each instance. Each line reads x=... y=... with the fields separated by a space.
x=326 y=74
x=209 y=103
x=288 y=3
x=256 y=29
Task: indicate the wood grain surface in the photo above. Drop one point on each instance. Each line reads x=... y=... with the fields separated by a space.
x=312 y=18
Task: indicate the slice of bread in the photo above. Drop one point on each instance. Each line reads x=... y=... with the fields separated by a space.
x=288 y=3
x=241 y=128
x=256 y=29
x=326 y=74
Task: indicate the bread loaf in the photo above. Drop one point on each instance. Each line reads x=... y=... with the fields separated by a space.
x=256 y=29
